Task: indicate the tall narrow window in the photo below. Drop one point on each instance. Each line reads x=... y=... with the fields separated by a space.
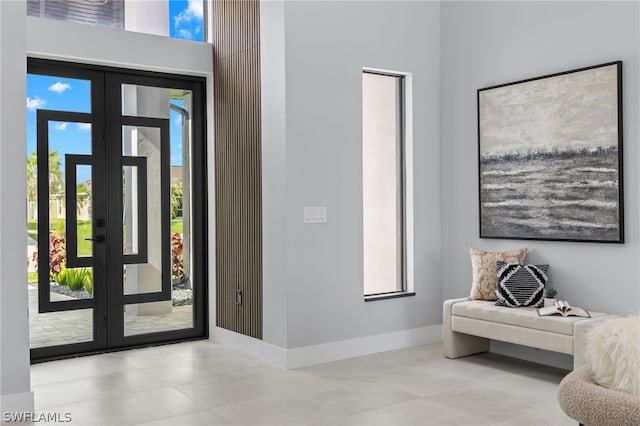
x=383 y=186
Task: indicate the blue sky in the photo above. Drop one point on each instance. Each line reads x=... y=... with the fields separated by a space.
x=186 y=19
x=61 y=94
x=66 y=94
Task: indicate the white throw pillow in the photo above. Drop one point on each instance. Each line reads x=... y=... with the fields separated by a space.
x=615 y=354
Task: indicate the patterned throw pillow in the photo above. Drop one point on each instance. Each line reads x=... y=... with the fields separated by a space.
x=521 y=285
x=483 y=264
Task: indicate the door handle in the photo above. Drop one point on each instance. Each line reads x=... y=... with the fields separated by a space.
x=97 y=239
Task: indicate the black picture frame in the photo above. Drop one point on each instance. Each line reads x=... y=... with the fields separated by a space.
x=550 y=157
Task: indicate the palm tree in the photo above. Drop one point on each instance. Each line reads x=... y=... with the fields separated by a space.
x=83 y=194
x=56 y=175
x=32 y=177
x=56 y=179
x=176 y=198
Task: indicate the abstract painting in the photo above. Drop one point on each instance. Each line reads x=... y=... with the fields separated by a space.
x=550 y=157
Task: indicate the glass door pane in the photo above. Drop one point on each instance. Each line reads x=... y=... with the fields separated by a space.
x=144 y=168
x=141 y=209
x=59 y=211
x=59 y=328
x=65 y=174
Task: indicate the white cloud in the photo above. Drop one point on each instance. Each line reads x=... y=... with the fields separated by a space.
x=35 y=103
x=185 y=34
x=193 y=11
x=85 y=127
x=61 y=126
x=59 y=87
x=196 y=8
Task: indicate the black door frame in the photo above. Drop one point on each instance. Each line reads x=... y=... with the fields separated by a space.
x=107 y=121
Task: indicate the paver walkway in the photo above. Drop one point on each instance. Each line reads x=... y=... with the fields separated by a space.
x=59 y=328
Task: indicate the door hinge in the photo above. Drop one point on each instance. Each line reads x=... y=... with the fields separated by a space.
x=105 y=321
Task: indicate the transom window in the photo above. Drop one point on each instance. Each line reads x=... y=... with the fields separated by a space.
x=184 y=19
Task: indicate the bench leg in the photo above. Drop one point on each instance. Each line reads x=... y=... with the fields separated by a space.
x=456 y=344
x=460 y=344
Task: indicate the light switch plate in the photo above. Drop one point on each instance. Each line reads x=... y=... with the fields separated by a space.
x=315 y=215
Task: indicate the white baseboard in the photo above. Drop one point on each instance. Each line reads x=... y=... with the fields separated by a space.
x=17 y=403
x=264 y=351
x=333 y=351
x=327 y=352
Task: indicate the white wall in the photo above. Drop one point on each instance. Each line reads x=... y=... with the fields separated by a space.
x=312 y=127
x=48 y=38
x=149 y=17
x=274 y=173
x=488 y=43
x=15 y=392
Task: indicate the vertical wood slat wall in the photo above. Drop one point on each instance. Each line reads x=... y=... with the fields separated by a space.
x=236 y=38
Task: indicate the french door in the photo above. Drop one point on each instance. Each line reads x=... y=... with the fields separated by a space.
x=116 y=205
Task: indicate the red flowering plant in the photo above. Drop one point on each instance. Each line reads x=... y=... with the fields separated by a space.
x=57 y=254
x=34 y=259
x=177 y=258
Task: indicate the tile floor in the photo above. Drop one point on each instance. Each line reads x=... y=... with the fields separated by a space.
x=202 y=383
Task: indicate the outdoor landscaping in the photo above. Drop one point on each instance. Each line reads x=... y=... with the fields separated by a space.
x=78 y=282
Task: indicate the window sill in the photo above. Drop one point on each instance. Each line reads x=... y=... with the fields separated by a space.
x=384 y=296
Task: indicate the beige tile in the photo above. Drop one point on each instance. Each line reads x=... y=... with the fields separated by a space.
x=148 y=357
x=418 y=412
x=76 y=368
x=272 y=410
x=220 y=393
x=133 y=408
x=352 y=397
x=541 y=416
x=197 y=418
x=206 y=383
x=92 y=388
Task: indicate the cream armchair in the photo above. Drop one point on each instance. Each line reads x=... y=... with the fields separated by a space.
x=594 y=405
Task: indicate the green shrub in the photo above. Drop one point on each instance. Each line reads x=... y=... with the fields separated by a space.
x=61 y=277
x=88 y=282
x=76 y=278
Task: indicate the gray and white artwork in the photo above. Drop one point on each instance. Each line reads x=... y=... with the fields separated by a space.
x=549 y=158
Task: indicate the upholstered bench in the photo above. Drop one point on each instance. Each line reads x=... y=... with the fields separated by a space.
x=469 y=324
